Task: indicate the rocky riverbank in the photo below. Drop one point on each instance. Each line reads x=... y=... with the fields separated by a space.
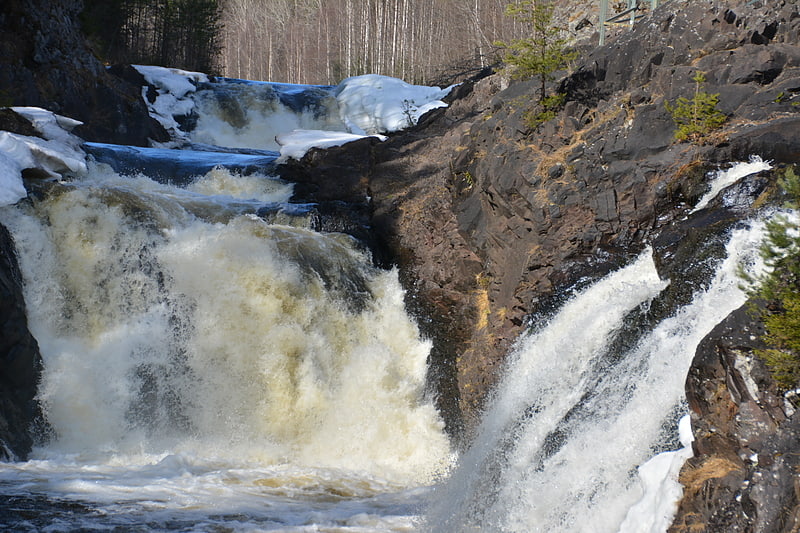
x=492 y=221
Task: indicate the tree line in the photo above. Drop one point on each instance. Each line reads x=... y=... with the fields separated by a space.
x=305 y=41
x=324 y=41
x=185 y=34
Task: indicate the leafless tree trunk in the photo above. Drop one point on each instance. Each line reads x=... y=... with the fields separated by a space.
x=324 y=41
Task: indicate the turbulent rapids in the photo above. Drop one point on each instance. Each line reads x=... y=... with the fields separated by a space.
x=213 y=362
x=207 y=355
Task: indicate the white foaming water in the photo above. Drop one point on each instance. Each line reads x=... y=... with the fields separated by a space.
x=726 y=178
x=559 y=446
x=207 y=370
x=267 y=116
x=252 y=115
x=221 y=181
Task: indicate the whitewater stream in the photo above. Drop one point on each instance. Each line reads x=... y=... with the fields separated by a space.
x=213 y=363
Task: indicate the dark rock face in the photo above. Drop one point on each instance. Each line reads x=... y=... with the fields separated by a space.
x=542 y=209
x=20 y=362
x=491 y=220
x=45 y=62
x=743 y=476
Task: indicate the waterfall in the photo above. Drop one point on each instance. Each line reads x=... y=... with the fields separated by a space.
x=202 y=361
x=168 y=322
x=211 y=362
x=579 y=409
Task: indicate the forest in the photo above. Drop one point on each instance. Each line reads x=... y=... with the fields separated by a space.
x=304 y=41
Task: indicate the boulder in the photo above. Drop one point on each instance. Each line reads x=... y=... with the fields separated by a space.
x=743 y=473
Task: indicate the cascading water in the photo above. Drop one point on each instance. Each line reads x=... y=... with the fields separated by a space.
x=180 y=330
x=211 y=363
x=574 y=417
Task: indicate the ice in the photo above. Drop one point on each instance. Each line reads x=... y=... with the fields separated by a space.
x=11 y=187
x=51 y=126
x=654 y=512
x=174 y=87
x=54 y=157
x=175 y=81
x=369 y=105
x=379 y=104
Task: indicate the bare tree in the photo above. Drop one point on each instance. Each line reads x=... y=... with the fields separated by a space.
x=324 y=41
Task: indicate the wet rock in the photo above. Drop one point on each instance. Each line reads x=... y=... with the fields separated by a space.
x=16 y=123
x=743 y=473
x=20 y=362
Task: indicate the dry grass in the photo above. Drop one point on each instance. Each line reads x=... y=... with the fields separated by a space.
x=693 y=479
x=482 y=304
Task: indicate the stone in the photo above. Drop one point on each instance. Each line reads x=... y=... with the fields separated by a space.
x=20 y=362
x=743 y=473
x=58 y=72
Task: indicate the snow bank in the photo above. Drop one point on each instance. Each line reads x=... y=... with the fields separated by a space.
x=654 y=512
x=295 y=144
x=11 y=188
x=51 y=126
x=372 y=104
x=174 y=88
x=174 y=81
x=368 y=106
x=58 y=152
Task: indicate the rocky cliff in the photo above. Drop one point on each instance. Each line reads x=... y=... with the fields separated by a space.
x=46 y=62
x=20 y=362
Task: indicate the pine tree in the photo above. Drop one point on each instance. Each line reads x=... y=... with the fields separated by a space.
x=172 y=33
x=698 y=117
x=780 y=290
x=544 y=52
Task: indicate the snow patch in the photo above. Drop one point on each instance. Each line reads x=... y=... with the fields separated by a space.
x=373 y=104
x=654 y=512
x=174 y=87
x=57 y=153
x=11 y=188
x=295 y=144
x=52 y=127
x=175 y=81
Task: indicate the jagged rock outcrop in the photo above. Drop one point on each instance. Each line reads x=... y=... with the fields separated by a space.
x=45 y=62
x=743 y=476
x=20 y=362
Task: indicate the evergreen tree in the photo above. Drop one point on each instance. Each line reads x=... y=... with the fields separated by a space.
x=698 y=117
x=172 y=33
x=544 y=51
x=780 y=290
